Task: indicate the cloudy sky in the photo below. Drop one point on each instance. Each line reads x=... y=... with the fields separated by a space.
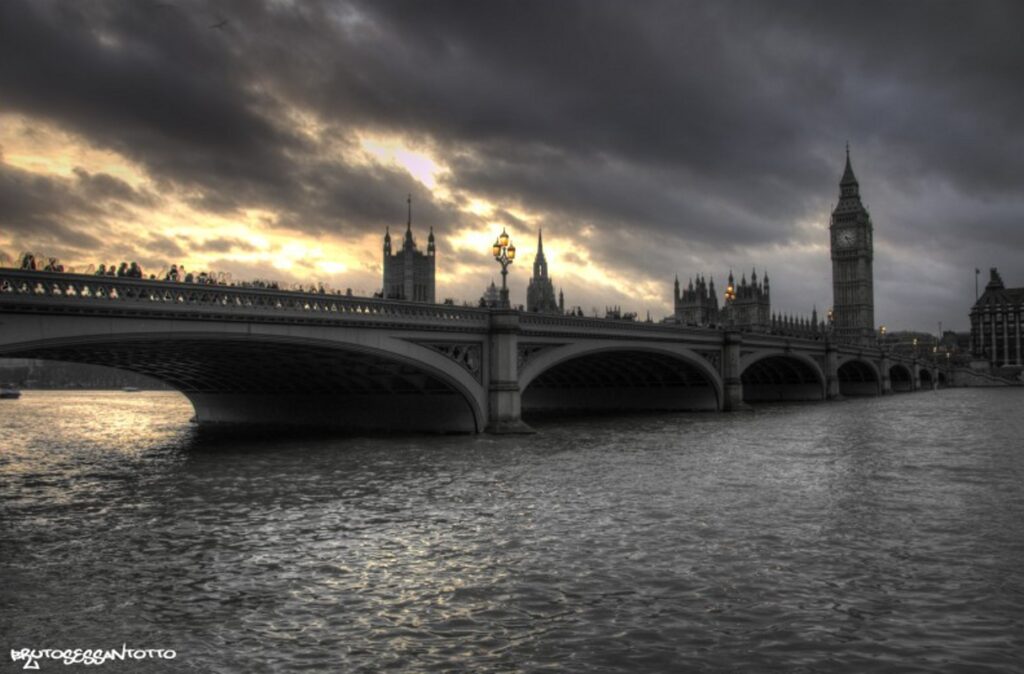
x=278 y=139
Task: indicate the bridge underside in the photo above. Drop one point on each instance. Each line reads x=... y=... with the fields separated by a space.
x=926 y=379
x=284 y=384
x=900 y=379
x=778 y=378
x=620 y=381
x=856 y=378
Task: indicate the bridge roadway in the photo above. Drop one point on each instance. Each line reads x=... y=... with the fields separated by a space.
x=255 y=356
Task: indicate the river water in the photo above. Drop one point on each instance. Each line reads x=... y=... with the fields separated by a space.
x=865 y=535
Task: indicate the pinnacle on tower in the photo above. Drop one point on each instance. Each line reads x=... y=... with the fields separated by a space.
x=409 y=243
x=848 y=177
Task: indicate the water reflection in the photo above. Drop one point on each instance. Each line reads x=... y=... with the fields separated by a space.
x=857 y=536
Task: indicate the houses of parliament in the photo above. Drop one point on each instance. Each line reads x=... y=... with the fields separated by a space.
x=409 y=274
x=747 y=305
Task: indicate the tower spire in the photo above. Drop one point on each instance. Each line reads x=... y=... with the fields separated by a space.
x=540 y=263
x=848 y=177
x=408 y=223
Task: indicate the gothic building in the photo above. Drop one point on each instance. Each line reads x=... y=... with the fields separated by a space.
x=996 y=323
x=697 y=304
x=853 y=295
x=748 y=306
x=540 y=294
x=409 y=273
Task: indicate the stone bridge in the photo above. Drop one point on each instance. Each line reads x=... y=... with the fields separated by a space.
x=256 y=356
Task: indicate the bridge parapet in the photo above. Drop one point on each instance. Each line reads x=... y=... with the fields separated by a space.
x=59 y=292
x=552 y=324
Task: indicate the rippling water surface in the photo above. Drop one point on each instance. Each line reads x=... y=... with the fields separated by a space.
x=867 y=535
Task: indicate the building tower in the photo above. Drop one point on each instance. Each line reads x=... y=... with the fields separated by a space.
x=540 y=294
x=748 y=306
x=696 y=304
x=853 y=295
x=409 y=274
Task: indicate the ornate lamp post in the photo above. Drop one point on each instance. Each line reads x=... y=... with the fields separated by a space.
x=505 y=253
x=831 y=321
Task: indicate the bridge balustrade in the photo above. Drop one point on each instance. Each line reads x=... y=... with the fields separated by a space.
x=97 y=291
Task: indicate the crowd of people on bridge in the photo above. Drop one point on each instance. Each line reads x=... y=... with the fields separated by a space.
x=176 y=274
x=125 y=270
x=28 y=261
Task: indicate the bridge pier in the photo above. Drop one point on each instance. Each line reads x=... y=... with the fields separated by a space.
x=886 y=380
x=831 y=371
x=732 y=383
x=504 y=399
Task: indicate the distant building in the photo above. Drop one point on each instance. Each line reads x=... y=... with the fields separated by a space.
x=748 y=306
x=408 y=273
x=540 y=294
x=996 y=323
x=491 y=297
x=853 y=294
x=697 y=304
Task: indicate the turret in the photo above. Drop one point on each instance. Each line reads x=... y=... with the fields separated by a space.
x=430 y=243
x=409 y=243
x=387 y=241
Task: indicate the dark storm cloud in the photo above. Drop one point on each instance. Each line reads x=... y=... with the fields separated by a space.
x=223 y=245
x=104 y=187
x=664 y=126
x=167 y=247
x=38 y=209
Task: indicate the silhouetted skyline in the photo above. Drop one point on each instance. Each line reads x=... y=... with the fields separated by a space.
x=648 y=139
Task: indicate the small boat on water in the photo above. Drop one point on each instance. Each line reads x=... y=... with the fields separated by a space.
x=130 y=389
x=9 y=392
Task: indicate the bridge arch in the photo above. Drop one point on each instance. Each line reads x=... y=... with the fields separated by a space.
x=924 y=375
x=275 y=378
x=781 y=375
x=859 y=377
x=901 y=379
x=602 y=375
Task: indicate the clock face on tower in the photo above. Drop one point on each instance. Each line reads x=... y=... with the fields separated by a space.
x=846 y=238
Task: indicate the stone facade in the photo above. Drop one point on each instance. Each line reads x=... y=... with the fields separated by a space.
x=996 y=323
x=409 y=273
x=697 y=304
x=853 y=295
x=748 y=306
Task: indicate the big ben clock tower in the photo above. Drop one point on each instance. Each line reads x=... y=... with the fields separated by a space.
x=853 y=294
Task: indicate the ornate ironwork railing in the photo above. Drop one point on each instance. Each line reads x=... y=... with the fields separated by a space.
x=57 y=291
